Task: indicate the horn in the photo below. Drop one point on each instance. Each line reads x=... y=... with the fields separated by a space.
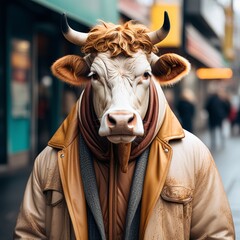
x=158 y=35
x=77 y=38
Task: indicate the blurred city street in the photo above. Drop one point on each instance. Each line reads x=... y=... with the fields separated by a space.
x=12 y=185
x=34 y=102
x=227 y=161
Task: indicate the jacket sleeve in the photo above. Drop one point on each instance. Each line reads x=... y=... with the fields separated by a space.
x=211 y=216
x=31 y=219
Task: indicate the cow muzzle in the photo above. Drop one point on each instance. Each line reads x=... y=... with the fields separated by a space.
x=121 y=126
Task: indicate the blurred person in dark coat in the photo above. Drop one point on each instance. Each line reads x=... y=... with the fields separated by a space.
x=234 y=115
x=186 y=109
x=218 y=108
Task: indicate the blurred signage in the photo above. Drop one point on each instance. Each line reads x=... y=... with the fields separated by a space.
x=228 y=48
x=20 y=74
x=174 y=11
x=198 y=47
x=86 y=11
x=208 y=11
x=213 y=13
x=214 y=73
x=135 y=10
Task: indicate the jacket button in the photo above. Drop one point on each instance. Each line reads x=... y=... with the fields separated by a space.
x=166 y=150
x=62 y=155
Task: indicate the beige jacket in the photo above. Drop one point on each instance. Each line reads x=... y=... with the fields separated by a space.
x=183 y=196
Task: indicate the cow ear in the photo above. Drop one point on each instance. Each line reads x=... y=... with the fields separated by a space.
x=170 y=68
x=71 y=69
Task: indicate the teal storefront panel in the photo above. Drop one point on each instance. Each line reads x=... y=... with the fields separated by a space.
x=19 y=135
x=86 y=11
x=18 y=73
x=19 y=97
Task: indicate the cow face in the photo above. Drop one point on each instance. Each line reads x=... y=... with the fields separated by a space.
x=120 y=82
x=120 y=94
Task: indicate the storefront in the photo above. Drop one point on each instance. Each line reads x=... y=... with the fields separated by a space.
x=32 y=102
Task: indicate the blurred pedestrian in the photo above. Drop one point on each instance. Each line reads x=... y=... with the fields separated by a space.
x=218 y=108
x=234 y=115
x=226 y=103
x=186 y=109
x=238 y=120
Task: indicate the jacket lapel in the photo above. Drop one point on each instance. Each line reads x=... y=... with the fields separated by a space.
x=76 y=176
x=90 y=186
x=158 y=166
x=68 y=162
x=66 y=140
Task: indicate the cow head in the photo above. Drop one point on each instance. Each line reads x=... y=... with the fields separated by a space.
x=120 y=62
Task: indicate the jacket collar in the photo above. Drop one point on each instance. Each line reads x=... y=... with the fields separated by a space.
x=171 y=128
x=68 y=130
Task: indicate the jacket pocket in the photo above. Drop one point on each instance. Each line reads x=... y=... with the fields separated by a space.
x=177 y=211
x=177 y=194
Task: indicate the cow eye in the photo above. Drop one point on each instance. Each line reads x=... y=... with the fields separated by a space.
x=94 y=75
x=146 y=75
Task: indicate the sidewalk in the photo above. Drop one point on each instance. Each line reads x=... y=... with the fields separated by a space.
x=12 y=185
x=227 y=160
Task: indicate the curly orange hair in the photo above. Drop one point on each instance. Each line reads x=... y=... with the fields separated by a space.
x=124 y=39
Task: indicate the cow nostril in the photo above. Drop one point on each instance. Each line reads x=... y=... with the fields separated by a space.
x=131 y=119
x=111 y=119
